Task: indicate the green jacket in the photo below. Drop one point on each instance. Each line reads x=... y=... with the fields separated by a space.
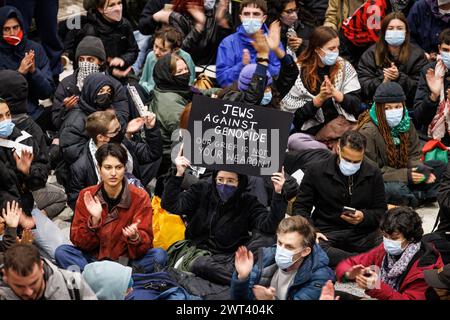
x=376 y=152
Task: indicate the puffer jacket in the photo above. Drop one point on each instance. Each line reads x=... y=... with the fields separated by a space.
x=307 y=284
x=217 y=226
x=412 y=282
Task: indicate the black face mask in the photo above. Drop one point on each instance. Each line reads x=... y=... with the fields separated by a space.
x=118 y=138
x=182 y=80
x=103 y=101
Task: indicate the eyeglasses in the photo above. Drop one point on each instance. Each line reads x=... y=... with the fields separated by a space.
x=114 y=133
x=291 y=11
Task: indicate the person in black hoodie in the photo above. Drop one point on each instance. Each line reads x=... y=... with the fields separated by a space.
x=220 y=216
x=103 y=127
x=90 y=57
x=97 y=94
x=19 y=53
x=14 y=89
x=347 y=194
x=25 y=168
x=106 y=22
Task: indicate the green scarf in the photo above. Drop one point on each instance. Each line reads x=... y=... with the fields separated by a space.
x=402 y=127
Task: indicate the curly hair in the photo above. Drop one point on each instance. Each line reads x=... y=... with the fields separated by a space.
x=405 y=221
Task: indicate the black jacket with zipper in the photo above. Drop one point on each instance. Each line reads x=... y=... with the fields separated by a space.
x=217 y=226
x=328 y=190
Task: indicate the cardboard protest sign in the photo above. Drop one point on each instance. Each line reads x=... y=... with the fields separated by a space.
x=233 y=136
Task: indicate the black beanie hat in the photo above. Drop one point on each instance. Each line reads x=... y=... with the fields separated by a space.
x=389 y=92
x=14 y=89
x=91 y=46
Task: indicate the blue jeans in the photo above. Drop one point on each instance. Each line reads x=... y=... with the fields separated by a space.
x=67 y=256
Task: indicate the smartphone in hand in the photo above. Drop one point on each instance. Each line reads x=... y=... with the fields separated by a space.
x=349 y=211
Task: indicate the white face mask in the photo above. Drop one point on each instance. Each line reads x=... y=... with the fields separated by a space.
x=394 y=117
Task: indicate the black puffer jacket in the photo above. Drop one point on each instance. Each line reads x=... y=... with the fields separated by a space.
x=217 y=226
x=72 y=133
x=147 y=25
x=371 y=76
x=117 y=38
x=146 y=159
x=18 y=183
x=202 y=46
x=68 y=87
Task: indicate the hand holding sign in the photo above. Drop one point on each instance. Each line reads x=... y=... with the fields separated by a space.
x=181 y=163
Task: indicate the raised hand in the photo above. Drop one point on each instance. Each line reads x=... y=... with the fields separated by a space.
x=25 y=64
x=131 y=232
x=221 y=10
x=181 y=163
x=162 y=16
x=278 y=180
x=70 y=102
x=32 y=58
x=243 y=262
x=23 y=163
x=121 y=74
x=273 y=39
x=135 y=125
x=263 y=293
x=354 y=272
x=320 y=236
x=117 y=62
x=27 y=237
x=198 y=13
x=328 y=292
x=94 y=207
x=150 y=120
x=260 y=44
x=435 y=83
x=12 y=214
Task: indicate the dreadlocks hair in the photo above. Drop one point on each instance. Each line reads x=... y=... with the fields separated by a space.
x=395 y=160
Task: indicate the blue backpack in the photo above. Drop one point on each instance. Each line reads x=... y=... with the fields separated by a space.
x=157 y=286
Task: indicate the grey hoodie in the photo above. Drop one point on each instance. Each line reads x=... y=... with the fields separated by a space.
x=56 y=285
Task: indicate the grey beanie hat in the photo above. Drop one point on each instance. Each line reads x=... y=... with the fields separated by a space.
x=91 y=46
x=389 y=92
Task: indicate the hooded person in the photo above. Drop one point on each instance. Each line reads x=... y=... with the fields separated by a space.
x=171 y=94
x=98 y=94
x=393 y=146
x=17 y=52
x=109 y=280
x=25 y=166
x=220 y=215
x=90 y=57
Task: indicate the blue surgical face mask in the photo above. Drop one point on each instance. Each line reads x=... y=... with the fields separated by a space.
x=330 y=57
x=284 y=258
x=446 y=58
x=225 y=191
x=267 y=98
x=209 y=4
x=252 y=25
x=348 y=168
x=394 y=117
x=393 y=247
x=395 y=37
x=6 y=128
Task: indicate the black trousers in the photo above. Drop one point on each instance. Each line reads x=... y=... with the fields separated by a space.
x=343 y=244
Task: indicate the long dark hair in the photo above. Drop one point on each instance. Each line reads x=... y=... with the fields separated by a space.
x=309 y=60
x=394 y=160
x=381 y=48
x=276 y=7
